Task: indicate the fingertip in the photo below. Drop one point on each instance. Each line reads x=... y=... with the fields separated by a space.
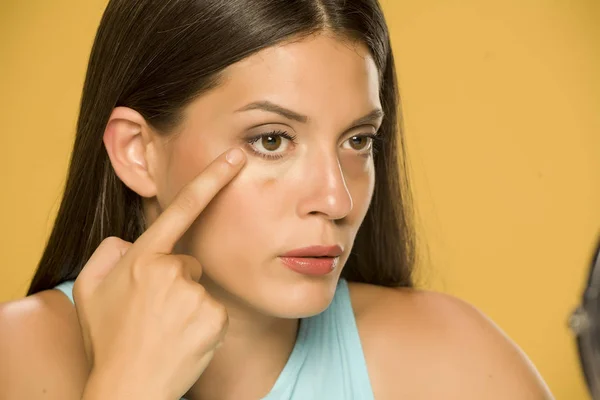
x=235 y=156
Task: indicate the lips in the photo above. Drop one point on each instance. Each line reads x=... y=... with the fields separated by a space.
x=313 y=260
x=315 y=252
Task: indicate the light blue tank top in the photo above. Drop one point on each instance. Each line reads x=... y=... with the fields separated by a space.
x=327 y=361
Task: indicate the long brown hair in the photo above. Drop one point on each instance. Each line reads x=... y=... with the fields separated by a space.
x=156 y=56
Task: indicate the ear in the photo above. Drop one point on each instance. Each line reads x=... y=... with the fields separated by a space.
x=128 y=142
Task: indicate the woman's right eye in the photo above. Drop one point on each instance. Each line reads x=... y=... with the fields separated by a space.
x=271 y=145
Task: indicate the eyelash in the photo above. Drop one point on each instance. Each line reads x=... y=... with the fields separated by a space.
x=376 y=140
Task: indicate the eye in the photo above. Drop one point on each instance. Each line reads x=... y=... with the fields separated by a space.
x=360 y=143
x=271 y=145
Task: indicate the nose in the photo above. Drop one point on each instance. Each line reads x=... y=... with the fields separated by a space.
x=324 y=189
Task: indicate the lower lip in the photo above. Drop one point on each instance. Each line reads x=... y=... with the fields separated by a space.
x=310 y=266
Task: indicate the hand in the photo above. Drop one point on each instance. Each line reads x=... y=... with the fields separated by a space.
x=149 y=327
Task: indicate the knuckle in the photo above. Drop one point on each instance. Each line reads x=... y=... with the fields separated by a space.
x=198 y=296
x=173 y=268
x=193 y=265
x=161 y=270
x=219 y=317
x=186 y=201
x=112 y=242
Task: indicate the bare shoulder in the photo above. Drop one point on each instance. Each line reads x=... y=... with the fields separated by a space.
x=42 y=350
x=427 y=345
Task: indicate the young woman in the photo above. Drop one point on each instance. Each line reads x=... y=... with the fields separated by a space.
x=236 y=223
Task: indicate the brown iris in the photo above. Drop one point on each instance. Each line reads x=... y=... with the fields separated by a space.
x=359 y=142
x=271 y=143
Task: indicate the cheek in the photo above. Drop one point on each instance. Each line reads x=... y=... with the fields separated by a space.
x=240 y=224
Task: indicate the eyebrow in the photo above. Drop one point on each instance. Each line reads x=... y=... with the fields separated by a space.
x=268 y=106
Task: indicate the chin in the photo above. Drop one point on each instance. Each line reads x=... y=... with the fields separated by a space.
x=299 y=297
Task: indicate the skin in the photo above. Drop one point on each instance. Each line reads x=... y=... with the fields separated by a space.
x=417 y=345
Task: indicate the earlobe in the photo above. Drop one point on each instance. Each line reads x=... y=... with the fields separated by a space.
x=127 y=140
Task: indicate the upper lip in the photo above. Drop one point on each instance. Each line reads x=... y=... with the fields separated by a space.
x=316 y=251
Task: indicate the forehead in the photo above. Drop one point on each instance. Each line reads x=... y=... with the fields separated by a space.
x=311 y=75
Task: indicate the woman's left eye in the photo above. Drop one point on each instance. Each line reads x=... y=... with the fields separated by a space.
x=360 y=143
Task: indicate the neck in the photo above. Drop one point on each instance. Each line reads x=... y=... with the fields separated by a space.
x=255 y=350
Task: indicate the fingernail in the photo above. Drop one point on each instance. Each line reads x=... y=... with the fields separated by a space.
x=234 y=156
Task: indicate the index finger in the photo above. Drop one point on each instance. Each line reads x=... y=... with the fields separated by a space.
x=187 y=205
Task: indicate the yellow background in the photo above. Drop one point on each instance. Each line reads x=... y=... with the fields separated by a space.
x=502 y=114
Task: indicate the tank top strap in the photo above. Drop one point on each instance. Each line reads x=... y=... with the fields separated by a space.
x=347 y=336
x=67 y=288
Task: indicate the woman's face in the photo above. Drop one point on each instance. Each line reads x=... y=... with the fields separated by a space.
x=308 y=180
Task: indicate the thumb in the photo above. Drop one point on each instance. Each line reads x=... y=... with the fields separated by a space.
x=100 y=264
